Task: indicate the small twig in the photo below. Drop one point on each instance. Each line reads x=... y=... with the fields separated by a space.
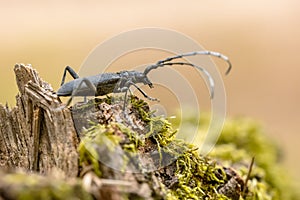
x=248 y=176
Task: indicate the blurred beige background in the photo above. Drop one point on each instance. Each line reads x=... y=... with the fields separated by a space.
x=262 y=39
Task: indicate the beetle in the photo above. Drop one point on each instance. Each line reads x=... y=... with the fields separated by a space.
x=107 y=83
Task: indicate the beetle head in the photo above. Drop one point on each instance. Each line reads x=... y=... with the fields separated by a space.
x=140 y=77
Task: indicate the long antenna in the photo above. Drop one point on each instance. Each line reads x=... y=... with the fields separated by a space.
x=209 y=53
x=210 y=79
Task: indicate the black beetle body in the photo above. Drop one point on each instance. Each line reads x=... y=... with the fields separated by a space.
x=107 y=83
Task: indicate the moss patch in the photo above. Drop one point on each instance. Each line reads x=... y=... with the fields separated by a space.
x=240 y=141
x=145 y=144
x=139 y=141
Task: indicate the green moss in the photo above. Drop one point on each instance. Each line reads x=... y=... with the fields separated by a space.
x=193 y=176
x=97 y=136
x=190 y=175
x=246 y=138
x=198 y=178
x=240 y=140
x=142 y=107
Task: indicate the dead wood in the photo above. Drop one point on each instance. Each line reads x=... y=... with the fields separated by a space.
x=38 y=134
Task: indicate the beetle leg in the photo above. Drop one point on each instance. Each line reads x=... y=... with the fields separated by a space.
x=127 y=87
x=89 y=85
x=125 y=100
x=142 y=92
x=71 y=72
x=130 y=91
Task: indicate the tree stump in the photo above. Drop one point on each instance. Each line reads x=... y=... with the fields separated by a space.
x=37 y=135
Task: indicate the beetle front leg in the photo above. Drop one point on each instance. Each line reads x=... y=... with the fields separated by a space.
x=127 y=87
x=144 y=93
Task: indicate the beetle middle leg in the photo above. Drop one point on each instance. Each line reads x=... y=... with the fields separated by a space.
x=88 y=83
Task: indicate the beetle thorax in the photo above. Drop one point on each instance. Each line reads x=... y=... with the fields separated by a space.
x=136 y=77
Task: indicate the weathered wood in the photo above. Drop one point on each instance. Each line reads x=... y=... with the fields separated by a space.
x=38 y=134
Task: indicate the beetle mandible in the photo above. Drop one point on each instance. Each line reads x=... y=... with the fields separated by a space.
x=106 y=83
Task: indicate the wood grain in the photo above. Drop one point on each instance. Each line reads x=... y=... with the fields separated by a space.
x=38 y=134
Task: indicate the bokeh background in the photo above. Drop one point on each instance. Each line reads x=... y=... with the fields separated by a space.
x=262 y=39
